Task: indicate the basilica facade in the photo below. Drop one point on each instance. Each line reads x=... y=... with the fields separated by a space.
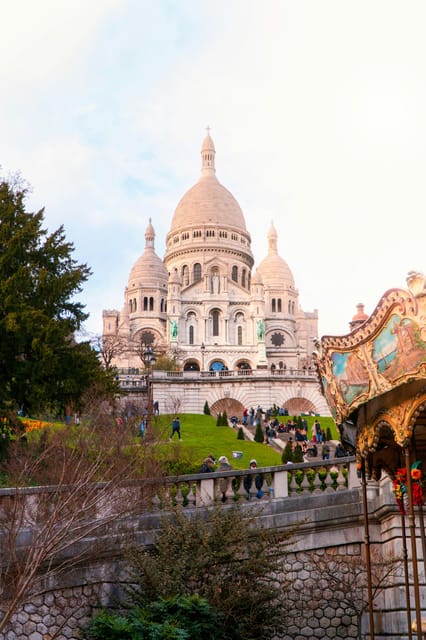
x=203 y=304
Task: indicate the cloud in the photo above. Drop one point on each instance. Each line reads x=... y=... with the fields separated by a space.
x=316 y=111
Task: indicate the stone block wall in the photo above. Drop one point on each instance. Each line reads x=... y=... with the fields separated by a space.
x=331 y=521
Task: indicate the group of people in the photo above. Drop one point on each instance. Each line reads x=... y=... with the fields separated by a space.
x=209 y=464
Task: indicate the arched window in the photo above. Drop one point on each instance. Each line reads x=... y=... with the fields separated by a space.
x=145 y=304
x=215 y=322
x=130 y=306
x=185 y=275
x=239 y=336
x=197 y=272
x=289 y=306
x=279 y=305
x=135 y=305
x=162 y=305
x=273 y=305
x=234 y=275
x=243 y=278
x=191 y=334
x=151 y=304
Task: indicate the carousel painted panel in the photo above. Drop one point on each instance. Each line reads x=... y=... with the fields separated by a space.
x=388 y=350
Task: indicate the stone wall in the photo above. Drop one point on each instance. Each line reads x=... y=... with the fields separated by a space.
x=324 y=520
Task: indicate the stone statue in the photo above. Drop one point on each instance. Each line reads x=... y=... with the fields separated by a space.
x=260 y=330
x=174 y=329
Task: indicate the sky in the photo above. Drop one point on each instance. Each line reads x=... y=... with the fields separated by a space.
x=317 y=110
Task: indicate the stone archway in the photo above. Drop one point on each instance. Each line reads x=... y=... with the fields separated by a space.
x=297 y=406
x=230 y=405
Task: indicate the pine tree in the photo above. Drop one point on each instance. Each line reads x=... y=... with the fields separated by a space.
x=224 y=419
x=206 y=409
x=297 y=453
x=219 y=420
x=39 y=314
x=240 y=434
x=258 y=436
x=287 y=455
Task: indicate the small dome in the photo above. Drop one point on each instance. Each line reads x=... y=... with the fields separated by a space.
x=149 y=269
x=360 y=315
x=273 y=269
x=257 y=278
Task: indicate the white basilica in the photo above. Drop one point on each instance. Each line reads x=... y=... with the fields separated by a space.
x=203 y=305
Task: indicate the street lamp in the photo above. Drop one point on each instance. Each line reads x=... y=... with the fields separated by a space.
x=203 y=348
x=149 y=360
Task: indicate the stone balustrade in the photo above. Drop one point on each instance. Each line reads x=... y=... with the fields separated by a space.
x=204 y=489
x=278 y=482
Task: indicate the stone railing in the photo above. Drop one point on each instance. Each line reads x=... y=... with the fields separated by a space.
x=134 y=377
x=275 y=483
x=204 y=489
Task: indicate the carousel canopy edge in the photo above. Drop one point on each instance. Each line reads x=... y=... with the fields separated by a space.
x=386 y=351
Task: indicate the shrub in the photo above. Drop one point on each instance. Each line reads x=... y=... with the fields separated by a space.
x=258 y=436
x=297 y=453
x=232 y=572
x=206 y=409
x=287 y=455
x=240 y=434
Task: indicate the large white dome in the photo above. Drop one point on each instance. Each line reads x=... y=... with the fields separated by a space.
x=208 y=202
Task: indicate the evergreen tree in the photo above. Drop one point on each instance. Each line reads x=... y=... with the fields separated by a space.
x=240 y=570
x=258 y=436
x=287 y=455
x=39 y=315
x=219 y=420
x=206 y=409
x=224 y=419
x=297 y=453
x=240 y=434
x=328 y=434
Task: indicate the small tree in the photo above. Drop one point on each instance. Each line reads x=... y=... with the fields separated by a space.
x=258 y=436
x=108 y=348
x=206 y=409
x=297 y=453
x=328 y=434
x=240 y=434
x=84 y=471
x=219 y=420
x=287 y=455
x=239 y=569
x=224 y=419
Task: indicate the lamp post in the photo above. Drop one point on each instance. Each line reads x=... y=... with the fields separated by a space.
x=203 y=348
x=149 y=360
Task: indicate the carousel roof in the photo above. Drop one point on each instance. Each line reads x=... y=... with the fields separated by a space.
x=374 y=378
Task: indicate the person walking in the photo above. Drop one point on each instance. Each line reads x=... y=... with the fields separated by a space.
x=175 y=427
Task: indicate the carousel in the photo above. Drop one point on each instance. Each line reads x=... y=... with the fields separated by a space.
x=374 y=380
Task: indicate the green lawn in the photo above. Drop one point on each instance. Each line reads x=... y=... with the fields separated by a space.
x=201 y=436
